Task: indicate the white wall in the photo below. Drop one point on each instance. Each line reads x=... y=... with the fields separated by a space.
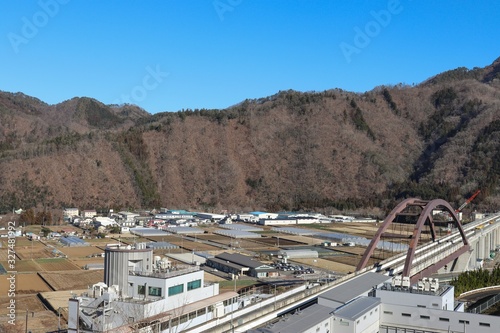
x=433 y=319
x=186 y=297
x=444 y=302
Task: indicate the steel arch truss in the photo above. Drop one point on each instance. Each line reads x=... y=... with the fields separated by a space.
x=424 y=217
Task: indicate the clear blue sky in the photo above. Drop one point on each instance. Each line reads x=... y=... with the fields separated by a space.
x=169 y=55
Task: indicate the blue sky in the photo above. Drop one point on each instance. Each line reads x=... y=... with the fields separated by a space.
x=168 y=55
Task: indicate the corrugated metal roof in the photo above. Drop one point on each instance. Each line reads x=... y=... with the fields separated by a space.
x=185 y=230
x=241 y=227
x=227 y=263
x=357 y=308
x=354 y=287
x=148 y=232
x=302 y=253
x=299 y=322
x=236 y=233
x=296 y=231
x=240 y=259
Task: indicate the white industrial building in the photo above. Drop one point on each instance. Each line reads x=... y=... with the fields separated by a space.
x=70 y=212
x=367 y=304
x=127 y=219
x=104 y=221
x=140 y=292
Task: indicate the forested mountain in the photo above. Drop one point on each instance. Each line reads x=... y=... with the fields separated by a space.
x=288 y=151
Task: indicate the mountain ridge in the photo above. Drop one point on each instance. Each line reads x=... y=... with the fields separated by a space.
x=333 y=149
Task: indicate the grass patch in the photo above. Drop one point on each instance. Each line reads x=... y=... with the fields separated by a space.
x=239 y=284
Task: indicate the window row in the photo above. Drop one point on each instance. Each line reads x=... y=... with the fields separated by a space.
x=460 y=321
x=174 y=290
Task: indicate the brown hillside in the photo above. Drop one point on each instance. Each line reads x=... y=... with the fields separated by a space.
x=289 y=151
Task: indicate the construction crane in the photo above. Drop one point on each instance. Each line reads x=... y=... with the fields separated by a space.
x=459 y=209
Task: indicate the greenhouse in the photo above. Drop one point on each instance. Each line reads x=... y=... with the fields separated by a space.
x=186 y=230
x=161 y=246
x=236 y=233
x=73 y=241
x=296 y=231
x=362 y=241
x=240 y=227
x=299 y=254
x=148 y=232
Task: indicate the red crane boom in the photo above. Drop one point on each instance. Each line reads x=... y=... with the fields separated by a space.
x=467 y=202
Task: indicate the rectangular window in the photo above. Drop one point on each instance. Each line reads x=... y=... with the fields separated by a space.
x=464 y=322
x=344 y=323
x=421 y=306
x=194 y=284
x=388 y=312
x=443 y=319
x=484 y=324
x=183 y=319
x=435 y=305
x=141 y=289
x=154 y=291
x=176 y=290
x=192 y=315
x=424 y=317
x=406 y=314
x=202 y=311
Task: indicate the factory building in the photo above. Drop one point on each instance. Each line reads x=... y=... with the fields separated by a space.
x=142 y=292
x=373 y=304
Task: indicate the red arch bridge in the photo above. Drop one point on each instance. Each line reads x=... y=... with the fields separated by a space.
x=463 y=249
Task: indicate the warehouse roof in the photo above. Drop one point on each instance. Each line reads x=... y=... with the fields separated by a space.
x=357 y=308
x=299 y=322
x=240 y=259
x=353 y=288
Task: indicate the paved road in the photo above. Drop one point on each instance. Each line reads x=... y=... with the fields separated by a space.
x=480 y=295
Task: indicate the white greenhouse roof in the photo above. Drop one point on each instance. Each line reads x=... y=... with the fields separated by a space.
x=303 y=253
x=295 y=231
x=240 y=227
x=144 y=232
x=161 y=245
x=185 y=230
x=236 y=233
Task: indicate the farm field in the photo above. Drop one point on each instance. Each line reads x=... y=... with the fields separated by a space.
x=85 y=261
x=301 y=239
x=71 y=280
x=80 y=251
x=57 y=264
x=23 y=266
x=39 y=319
x=25 y=284
x=38 y=251
x=325 y=264
x=273 y=241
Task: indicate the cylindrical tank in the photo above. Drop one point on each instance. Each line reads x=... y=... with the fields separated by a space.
x=118 y=261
